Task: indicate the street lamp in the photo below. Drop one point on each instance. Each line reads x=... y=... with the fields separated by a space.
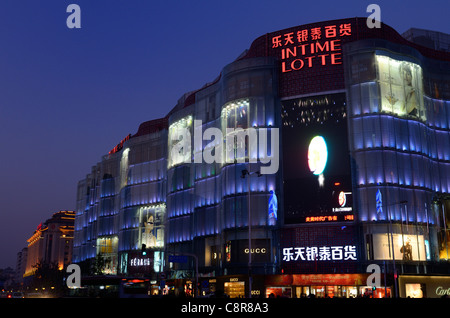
x=243 y=175
x=440 y=199
x=392 y=244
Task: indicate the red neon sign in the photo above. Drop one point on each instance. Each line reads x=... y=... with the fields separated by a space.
x=309 y=47
x=119 y=146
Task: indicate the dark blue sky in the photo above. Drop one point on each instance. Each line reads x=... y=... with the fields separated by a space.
x=67 y=96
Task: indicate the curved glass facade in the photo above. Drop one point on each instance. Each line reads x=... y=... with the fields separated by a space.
x=238 y=157
x=208 y=194
x=122 y=205
x=399 y=141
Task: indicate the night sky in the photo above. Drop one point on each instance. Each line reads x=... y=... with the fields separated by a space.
x=68 y=96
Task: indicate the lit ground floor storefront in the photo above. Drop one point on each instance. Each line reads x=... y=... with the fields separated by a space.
x=293 y=286
x=269 y=286
x=421 y=286
x=323 y=286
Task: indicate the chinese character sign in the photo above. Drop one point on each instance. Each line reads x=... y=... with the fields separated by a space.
x=308 y=47
x=322 y=253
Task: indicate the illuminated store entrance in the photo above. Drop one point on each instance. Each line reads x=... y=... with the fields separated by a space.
x=235 y=289
x=322 y=285
x=341 y=291
x=324 y=291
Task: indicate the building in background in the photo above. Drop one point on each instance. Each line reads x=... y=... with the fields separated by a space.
x=353 y=125
x=51 y=242
x=21 y=265
x=7 y=281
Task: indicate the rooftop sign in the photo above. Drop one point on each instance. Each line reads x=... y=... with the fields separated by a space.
x=308 y=47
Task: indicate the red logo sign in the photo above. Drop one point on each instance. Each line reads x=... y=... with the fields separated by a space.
x=309 y=47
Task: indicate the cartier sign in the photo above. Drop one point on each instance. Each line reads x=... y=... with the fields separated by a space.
x=441 y=291
x=417 y=286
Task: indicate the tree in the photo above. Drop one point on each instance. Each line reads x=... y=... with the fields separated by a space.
x=99 y=265
x=48 y=277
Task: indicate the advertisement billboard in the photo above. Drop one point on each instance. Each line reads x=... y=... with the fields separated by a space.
x=401 y=87
x=406 y=247
x=316 y=160
x=151 y=226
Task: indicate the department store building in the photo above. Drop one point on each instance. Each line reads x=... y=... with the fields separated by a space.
x=328 y=144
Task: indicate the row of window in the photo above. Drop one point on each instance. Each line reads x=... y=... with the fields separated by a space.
x=381 y=203
x=411 y=170
x=375 y=131
x=366 y=99
x=147 y=172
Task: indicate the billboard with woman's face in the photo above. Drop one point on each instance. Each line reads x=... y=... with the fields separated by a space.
x=151 y=224
x=401 y=87
x=404 y=247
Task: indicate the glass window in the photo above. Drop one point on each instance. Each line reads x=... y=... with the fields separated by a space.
x=235 y=118
x=355 y=99
x=390 y=166
x=318 y=291
x=401 y=87
x=151 y=228
x=358 y=135
x=180 y=133
x=414 y=290
x=349 y=291
x=235 y=289
x=278 y=292
x=302 y=291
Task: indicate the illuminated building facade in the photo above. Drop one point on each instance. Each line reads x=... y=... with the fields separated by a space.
x=400 y=143
x=21 y=265
x=51 y=242
x=121 y=204
x=357 y=132
x=384 y=113
x=208 y=202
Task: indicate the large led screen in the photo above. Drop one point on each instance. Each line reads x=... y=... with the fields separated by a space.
x=316 y=164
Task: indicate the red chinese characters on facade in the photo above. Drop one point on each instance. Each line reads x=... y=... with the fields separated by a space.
x=330 y=218
x=314 y=46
